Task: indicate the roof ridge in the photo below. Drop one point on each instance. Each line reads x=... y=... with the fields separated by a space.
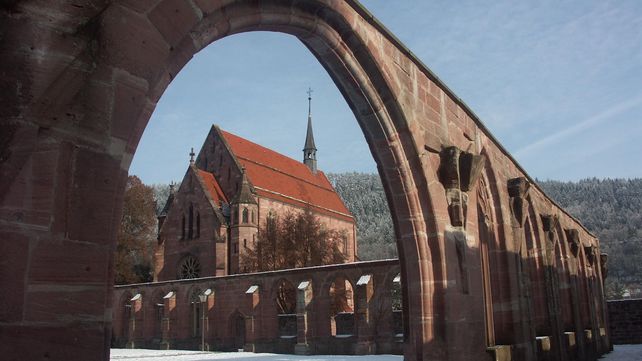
x=285 y=173
x=272 y=151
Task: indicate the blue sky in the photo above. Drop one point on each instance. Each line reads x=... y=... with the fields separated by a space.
x=558 y=83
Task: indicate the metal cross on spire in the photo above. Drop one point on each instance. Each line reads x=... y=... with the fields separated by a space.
x=191 y=156
x=309 y=101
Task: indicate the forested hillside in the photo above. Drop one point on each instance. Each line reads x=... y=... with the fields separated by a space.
x=364 y=196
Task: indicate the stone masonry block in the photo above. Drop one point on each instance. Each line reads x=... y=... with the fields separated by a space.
x=94 y=187
x=174 y=19
x=130 y=42
x=68 y=262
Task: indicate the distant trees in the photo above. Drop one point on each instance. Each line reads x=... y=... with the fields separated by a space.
x=364 y=196
x=134 y=250
x=292 y=241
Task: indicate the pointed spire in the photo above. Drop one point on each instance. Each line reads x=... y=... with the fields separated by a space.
x=171 y=187
x=191 y=156
x=245 y=194
x=310 y=149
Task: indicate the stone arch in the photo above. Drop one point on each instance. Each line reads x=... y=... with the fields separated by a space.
x=111 y=84
x=536 y=265
x=285 y=302
x=156 y=312
x=340 y=291
x=196 y=309
x=487 y=244
x=236 y=324
x=563 y=271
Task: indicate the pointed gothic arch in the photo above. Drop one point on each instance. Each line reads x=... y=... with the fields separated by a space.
x=79 y=104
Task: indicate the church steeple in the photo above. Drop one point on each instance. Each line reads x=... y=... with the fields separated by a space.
x=309 y=149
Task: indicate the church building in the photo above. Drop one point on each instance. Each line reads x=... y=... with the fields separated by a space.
x=228 y=192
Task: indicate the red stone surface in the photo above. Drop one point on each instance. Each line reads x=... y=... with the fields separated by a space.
x=78 y=86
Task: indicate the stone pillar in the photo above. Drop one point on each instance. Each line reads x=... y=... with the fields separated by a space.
x=549 y=224
x=303 y=329
x=135 y=321
x=169 y=311
x=251 y=330
x=207 y=309
x=365 y=339
x=525 y=334
x=574 y=344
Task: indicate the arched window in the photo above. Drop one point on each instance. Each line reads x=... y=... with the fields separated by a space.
x=286 y=308
x=253 y=218
x=190 y=220
x=159 y=313
x=198 y=224
x=196 y=312
x=189 y=268
x=342 y=307
x=245 y=215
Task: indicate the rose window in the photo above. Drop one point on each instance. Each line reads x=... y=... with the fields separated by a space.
x=189 y=268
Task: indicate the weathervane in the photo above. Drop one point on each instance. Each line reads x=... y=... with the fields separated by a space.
x=309 y=101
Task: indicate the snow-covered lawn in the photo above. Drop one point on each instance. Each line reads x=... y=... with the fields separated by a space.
x=620 y=353
x=624 y=353
x=179 y=355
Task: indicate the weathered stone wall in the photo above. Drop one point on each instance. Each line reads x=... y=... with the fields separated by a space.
x=136 y=323
x=79 y=83
x=625 y=321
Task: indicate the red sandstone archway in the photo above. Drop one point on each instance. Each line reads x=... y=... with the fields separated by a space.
x=79 y=83
x=92 y=114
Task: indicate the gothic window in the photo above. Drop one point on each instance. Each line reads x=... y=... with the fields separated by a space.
x=189 y=268
x=183 y=228
x=244 y=242
x=198 y=224
x=253 y=219
x=245 y=215
x=190 y=221
x=196 y=310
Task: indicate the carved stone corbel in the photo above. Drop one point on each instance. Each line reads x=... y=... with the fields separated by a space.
x=589 y=251
x=458 y=172
x=518 y=191
x=549 y=224
x=573 y=238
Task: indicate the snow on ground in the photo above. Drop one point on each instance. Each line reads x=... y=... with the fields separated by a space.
x=624 y=353
x=119 y=354
x=620 y=353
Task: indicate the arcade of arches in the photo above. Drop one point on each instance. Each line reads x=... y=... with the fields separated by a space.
x=490 y=267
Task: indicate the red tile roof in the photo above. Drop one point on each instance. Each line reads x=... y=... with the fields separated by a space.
x=276 y=176
x=212 y=186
